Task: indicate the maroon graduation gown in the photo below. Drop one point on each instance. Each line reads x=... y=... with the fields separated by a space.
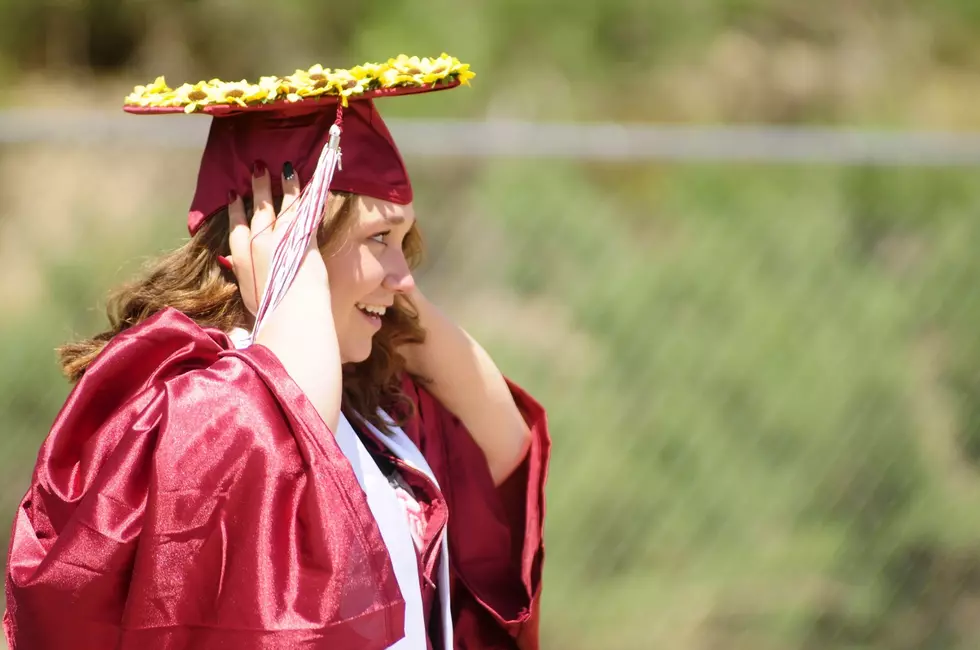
x=189 y=496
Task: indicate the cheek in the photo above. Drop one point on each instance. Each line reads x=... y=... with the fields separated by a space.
x=353 y=275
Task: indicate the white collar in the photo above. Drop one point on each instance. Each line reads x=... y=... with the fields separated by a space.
x=383 y=503
x=240 y=337
x=403 y=447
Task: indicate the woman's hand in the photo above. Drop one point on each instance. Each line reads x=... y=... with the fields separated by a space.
x=300 y=331
x=253 y=245
x=467 y=382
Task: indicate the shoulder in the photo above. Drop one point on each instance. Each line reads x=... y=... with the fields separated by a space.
x=166 y=344
x=183 y=389
x=171 y=350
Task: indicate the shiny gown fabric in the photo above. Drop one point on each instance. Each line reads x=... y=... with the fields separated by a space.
x=189 y=496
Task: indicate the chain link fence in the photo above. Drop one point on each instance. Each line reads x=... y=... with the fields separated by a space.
x=761 y=371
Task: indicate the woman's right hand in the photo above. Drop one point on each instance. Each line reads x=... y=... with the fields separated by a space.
x=254 y=244
x=300 y=331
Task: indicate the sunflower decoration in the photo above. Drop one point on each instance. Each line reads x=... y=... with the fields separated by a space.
x=369 y=73
x=413 y=71
x=158 y=87
x=345 y=84
x=399 y=72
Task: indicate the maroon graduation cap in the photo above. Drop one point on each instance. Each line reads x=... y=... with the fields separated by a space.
x=282 y=119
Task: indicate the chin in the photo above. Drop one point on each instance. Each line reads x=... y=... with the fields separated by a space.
x=358 y=353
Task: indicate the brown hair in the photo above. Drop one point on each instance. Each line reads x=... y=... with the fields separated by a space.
x=190 y=280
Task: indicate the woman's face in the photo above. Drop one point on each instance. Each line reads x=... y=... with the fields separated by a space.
x=366 y=271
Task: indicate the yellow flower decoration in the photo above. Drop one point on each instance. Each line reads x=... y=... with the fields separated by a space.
x=464 y=74
x=140 y=93
x=368 y=71
x=394 y=77
x=401 y=71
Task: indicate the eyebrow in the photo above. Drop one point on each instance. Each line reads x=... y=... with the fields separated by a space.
x=395 y=219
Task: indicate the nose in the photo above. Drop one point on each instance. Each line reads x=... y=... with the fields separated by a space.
x=399 y=276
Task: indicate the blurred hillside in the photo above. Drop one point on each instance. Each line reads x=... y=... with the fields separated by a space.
x=763 y=379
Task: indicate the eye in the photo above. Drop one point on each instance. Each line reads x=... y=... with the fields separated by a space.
x=381 y=237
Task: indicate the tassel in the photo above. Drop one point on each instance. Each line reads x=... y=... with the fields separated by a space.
x=306 y=223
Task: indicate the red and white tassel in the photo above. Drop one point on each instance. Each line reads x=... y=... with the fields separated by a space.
x=292 y=248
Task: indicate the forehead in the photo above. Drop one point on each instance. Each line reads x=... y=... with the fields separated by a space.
x=373 y=210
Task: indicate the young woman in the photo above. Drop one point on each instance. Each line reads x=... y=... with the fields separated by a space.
x=339 y=467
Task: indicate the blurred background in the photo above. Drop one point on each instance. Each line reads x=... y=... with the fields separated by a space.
x=724 y=241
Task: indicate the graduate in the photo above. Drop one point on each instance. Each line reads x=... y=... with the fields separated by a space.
x=280 y=442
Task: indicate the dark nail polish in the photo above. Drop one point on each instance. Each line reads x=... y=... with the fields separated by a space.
x=287 y=171
x=225 y=262
x=258 y=169
x=232 y=196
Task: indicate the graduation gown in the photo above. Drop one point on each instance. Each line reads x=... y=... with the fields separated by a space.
x=189 y=496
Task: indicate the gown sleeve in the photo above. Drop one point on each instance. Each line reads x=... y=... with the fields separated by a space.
x=189 y=496
x=495 y=533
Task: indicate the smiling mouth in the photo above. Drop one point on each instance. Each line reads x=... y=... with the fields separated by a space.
x=372 y=310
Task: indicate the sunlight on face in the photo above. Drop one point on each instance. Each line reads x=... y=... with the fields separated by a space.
x=367 y=272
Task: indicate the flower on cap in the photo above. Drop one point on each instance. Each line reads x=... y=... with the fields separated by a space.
x=274 y=87
x=401 y=71
x=369 y=72
x=190 y=96
x=463 y=73
x=394 y=77
x=435 y=70
x=345 y=84
x=242 y=93
x=142 y=95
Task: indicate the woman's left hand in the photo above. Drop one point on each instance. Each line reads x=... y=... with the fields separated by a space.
x=467 y=382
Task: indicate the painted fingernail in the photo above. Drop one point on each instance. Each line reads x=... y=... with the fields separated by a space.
x=232 y=196
x=258 y=168
x=287 y=171
x=225 y=262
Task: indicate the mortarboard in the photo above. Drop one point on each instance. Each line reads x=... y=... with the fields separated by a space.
x=283 y=119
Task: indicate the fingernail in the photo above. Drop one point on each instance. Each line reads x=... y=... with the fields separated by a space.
x=225 y=262
x=258 y=169
x=287 y=171
x=232 y=196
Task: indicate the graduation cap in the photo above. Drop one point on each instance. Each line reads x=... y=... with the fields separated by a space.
x=282 y=119
x=323 y=121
